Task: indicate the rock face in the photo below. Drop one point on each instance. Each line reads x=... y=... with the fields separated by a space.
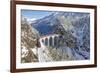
x=28 y=42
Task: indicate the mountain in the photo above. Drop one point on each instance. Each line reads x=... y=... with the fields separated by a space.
x=45 y=25
x=49 y=24
x=73 y=26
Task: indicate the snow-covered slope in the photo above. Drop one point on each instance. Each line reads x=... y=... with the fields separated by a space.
x=29 y=37
x=74 y=43
x=73 y=26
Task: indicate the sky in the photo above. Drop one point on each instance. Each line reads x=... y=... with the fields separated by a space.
x=34 y=14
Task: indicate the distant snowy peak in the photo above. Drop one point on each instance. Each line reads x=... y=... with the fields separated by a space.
x=31 y=20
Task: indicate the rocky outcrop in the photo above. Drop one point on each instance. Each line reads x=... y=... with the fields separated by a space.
x=29 y=38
